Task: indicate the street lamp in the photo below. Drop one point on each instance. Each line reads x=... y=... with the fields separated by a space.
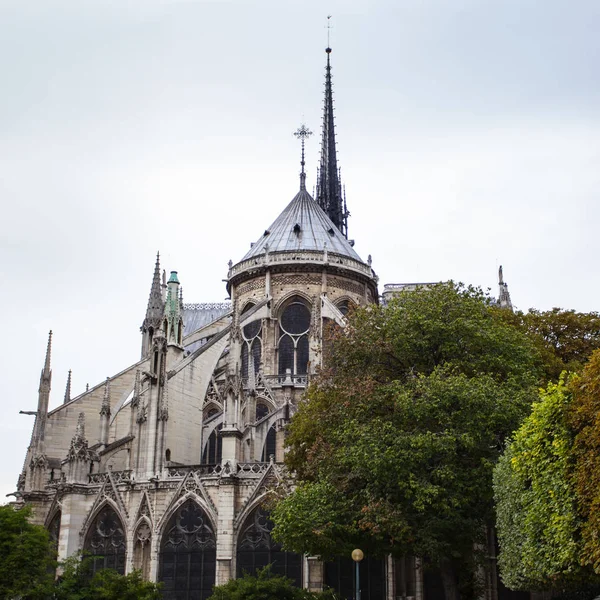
x=357 y=556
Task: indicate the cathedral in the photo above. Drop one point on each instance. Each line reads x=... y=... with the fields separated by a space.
x=166 y=465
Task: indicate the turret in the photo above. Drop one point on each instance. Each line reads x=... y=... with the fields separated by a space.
x=173 y=321
x=154 y=311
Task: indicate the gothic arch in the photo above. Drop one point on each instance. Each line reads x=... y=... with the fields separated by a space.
x=255 y=548
x=105 y=538
x=284 y=300
x=187 y=551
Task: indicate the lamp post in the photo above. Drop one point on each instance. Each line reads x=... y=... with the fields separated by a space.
x=357 y=556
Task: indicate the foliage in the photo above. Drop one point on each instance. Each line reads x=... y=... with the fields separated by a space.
x=26 y=555
x=402 y=429
x=537 y=521
x=77 y=583
x=565 y=339
x=265 y=586
x=585 y=421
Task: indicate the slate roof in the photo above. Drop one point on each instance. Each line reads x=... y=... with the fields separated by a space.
x=303 y=225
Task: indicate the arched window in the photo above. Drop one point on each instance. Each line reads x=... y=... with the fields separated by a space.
x=54 y=529
x=214 y=446
x=256 y=549
x=269 y=448
x=343 y=306
x=252 y=344
x=106 y=541
x=262 y=410
x=294 y=324
x=188 y=555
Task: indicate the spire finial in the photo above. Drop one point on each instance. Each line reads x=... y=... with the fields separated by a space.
x=68 y=388
x=48 y=352
x=329 y=187
x=302 y=133
x=80 y=430
x=328 y=50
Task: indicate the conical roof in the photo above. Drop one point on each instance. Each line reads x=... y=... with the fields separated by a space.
x=303 y=225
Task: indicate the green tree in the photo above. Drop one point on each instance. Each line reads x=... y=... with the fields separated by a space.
x=565 y=339
x=26 y=555
x=585 y=422
x=265 y=586
x=78 y=583
x=537 y=520
x=395 y=447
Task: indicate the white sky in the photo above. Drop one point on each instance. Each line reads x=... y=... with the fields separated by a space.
x=468 y=136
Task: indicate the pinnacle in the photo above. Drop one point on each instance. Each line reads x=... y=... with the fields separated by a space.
x=68 y=388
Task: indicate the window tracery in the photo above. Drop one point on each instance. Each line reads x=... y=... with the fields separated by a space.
x=294 y=324
x=106 y=541
x=257 y=549
x=188 y=555
x=251 y=344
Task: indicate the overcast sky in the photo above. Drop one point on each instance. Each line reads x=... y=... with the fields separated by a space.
x=468 y=136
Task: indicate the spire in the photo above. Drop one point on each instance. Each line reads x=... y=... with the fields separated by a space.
x=504 y=295
x=48 y=352
x=154 y=311
x=329 y=188
x=105 y=409
x=80 y=430
x=302 y=133
x=155 y=303
x=68 y=388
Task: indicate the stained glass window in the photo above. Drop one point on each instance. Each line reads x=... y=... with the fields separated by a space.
x=256 y=549
x=106 y=540
x=294 y=324
x=251 y=346
x=188 y=555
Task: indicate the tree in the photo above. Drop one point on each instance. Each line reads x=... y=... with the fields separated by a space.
x=395 y=446
x=26 y=555
x=565 y=339
x=585 y=422
x=537 y=520
x=265 y=586
x=78 y=583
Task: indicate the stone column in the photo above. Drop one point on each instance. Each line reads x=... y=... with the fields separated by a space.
x=225 y=542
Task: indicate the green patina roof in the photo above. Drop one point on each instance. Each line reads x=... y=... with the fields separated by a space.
x=173 y=277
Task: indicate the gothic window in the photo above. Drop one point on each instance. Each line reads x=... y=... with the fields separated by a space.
x=256 y=549
x=294 y=324
x=106 y=541
x=262 y=410
x=214 y=445
x=343 y=306
x=54 y=529
x=188 y=555
x=141 y=549
x=252 y=344
x=270 y=445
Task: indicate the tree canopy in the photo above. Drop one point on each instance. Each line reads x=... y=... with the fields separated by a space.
x=565 y=339
x=395 y=446
x=26 y=555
